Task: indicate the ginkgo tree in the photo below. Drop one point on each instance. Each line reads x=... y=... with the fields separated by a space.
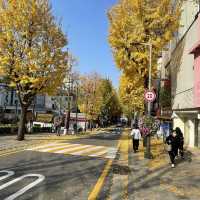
x=110 y=108
x=31 y=51
x=98 y=99
x=131 y=95
x=133 y=25
x=133 y=22
x=89 y=96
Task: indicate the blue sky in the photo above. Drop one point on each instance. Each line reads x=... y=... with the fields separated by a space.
x=86 y=24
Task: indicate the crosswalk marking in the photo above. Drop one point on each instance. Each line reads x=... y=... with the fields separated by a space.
x=46 y=145
x=99 y=153
x=64 y=146
x=77 y=149
x=73 y=149
x=94 y=151
x=111 y=153
x=87 y=150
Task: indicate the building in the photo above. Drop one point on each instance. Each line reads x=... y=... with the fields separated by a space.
x=181 y=66
x=10 y=106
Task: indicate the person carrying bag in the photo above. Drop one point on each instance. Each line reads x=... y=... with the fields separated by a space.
x=136 y=136
x=172 y=146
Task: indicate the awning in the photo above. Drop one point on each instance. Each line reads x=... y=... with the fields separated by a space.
x=182 y=113
x=186 y=111
x=167 y=118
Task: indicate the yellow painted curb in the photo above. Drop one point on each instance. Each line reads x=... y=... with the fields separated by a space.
x=97 y=188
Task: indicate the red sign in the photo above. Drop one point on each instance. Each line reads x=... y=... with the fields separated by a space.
x=197 y=82
x=149 y=95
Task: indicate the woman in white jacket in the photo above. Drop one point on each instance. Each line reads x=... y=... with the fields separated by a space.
x=136 y=136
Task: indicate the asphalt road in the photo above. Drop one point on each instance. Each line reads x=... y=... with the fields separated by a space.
x=64 y=171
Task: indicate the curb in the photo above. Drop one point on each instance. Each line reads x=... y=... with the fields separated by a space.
x=120 y=169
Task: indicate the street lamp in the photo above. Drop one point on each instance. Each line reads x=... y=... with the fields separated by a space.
x=67 y=117
x=147 y=153
x=77 y=85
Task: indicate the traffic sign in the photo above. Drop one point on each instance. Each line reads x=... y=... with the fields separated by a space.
x=149 y=95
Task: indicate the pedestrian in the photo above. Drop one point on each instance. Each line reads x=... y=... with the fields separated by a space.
x=136 y=136
x=180 y=141
x=57 y=125
x=172 y=146
x=159 y=132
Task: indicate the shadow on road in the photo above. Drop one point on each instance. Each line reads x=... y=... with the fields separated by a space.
x=67 y=177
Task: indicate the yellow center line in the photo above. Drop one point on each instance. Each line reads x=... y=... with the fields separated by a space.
x=97 y=188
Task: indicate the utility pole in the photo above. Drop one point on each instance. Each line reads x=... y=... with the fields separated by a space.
x=147 y=153
x=76 y=107
x=68 y=86
x=67 y=116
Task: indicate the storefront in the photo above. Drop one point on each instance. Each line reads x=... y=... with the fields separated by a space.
x=188 y=122
x=195 y=50
x=197 y=132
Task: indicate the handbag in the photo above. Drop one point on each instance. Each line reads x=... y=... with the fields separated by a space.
x=168 y=147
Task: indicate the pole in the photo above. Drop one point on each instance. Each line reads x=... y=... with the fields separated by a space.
x=68 y=117
x=76 y=107
x=149 y=85
x=69 y=106
x=148 y=139
x=60 y=105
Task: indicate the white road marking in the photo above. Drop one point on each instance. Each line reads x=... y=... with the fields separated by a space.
x=98 y=153
x=58 y=147
x=9 y=173
x=87 y=150
x=40 y=178
x=47 y=145
x=111 y=153
x=72 y=149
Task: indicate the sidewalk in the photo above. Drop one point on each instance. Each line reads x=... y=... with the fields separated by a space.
x=156 y=180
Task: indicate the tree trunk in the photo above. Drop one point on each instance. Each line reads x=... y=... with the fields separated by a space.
x=85 y=129
x=91 y=125
x=68 y=121
x=22 y=122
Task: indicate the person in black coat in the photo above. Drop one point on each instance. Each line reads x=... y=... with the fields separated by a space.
x=181 y=141
x=173 y=143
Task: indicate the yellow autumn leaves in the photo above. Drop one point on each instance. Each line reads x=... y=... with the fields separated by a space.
x=32 y=55
x=133 y=22
x=98 y=99
x=31 y=50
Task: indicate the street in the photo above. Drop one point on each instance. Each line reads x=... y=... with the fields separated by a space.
x=64 y=170
x=99 y=101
